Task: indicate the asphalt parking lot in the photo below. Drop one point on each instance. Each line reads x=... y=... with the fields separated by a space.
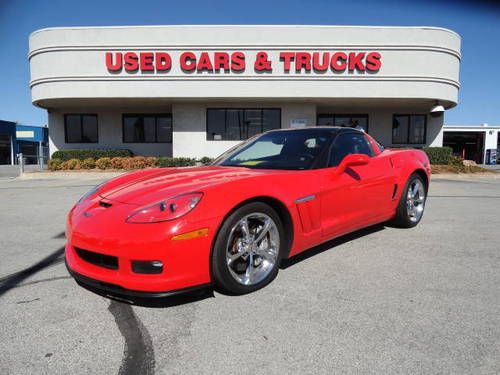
x=384 y=300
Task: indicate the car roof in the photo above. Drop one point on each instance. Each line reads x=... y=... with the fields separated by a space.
x=313 y=129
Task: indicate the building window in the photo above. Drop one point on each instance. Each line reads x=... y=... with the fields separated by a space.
x=80 y=128
x=351 y=121
x=409 y=129
x=147 y=128
x=235 y=124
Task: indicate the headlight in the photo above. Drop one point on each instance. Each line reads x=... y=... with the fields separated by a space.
x=165 y=210
x=91 y=192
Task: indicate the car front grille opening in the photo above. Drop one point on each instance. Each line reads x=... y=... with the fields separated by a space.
x=147 y=266
x=97 y=259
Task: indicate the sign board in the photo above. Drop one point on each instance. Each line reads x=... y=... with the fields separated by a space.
x=267 y=62
x=298 y=123
x=25 y=134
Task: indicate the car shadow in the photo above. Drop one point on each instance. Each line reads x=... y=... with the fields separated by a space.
x=11 y=281
x=285 y=263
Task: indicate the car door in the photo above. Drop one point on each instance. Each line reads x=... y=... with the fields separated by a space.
x=358 y=196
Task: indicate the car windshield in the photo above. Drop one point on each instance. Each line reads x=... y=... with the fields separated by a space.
x=294 y=150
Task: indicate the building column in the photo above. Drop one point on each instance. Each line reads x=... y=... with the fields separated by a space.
x=11 y=150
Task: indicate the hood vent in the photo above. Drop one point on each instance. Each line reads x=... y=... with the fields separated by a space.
x=104 y=204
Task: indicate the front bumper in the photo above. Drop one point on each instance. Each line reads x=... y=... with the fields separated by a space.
x=120 y=293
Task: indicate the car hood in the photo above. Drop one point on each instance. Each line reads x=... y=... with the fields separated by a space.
x=170 y=182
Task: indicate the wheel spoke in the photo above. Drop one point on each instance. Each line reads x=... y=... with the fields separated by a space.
x=232 y=257
x=263 y=231
x=415 y=189
x=268 y=254
x=245 y=229
x=250 y=270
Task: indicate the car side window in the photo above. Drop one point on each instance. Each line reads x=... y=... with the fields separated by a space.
x=348 y=143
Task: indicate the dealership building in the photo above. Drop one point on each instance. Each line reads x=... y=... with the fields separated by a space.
x=197 y=90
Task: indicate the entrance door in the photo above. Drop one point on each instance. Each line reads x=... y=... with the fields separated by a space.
x=5 y=151
x=467 y=145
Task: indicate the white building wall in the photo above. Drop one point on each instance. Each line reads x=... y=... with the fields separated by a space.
x=190 y=137
x=380 y=122
x=419 y=67
x=189 y=126
x=417 y=63
x=109 y=122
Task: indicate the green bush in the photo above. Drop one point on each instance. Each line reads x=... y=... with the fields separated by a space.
x=439 y=155
x=206 y=160
x=54 y=164
x=175 y=162
x=103 y=163
x=457 y=161
x=88 y=163
x=94 y=154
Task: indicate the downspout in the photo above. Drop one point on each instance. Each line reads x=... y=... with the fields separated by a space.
x=11 y=150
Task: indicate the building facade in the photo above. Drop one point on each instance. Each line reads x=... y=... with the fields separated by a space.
x=197 y=90
x=31 y=141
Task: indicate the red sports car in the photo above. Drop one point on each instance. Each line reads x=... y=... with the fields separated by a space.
x=159 y=232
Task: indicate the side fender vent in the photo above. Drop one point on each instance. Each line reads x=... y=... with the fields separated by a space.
x=394 y=191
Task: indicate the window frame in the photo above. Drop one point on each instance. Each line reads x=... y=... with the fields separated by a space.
x=409 y=125
x=156 y=116
x=340 y=134
x=225 y=109
x=80 y=115
x=351 y=115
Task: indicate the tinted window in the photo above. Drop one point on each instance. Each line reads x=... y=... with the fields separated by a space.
x=348 y=143
x=357 y=121
x=147 y=128
x=279 y=150
x=409 y=129
x=234 y=124
x=80 y=128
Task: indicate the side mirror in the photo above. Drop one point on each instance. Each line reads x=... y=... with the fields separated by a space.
x=352 y=160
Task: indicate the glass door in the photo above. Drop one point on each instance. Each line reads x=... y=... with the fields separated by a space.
x=5 y=151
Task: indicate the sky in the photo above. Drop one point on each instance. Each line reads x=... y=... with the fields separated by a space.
x=478 y=23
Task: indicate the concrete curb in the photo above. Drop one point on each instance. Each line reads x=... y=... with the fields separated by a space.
x=67 y=175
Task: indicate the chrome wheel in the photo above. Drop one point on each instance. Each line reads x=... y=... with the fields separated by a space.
x=252 y=248
x=415 y=200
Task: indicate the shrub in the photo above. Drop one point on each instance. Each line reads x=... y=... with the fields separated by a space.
x=86 y=153
x=456 y=160
x=206 y=160
x=439 y=155
x=175 y=162
x=137 y=162
x=151 y=161
x=88 y=163
x=103 y=163
x=54 y=164
x=117 y=162
x=71 y=164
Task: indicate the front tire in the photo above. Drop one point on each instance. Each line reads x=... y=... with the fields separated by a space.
x=248 y=249
x=412 y=202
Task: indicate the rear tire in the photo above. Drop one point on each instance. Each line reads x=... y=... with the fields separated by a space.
x=248 y=249
x=412 y=203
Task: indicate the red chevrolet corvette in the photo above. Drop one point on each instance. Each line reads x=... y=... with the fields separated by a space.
x=159 y=232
